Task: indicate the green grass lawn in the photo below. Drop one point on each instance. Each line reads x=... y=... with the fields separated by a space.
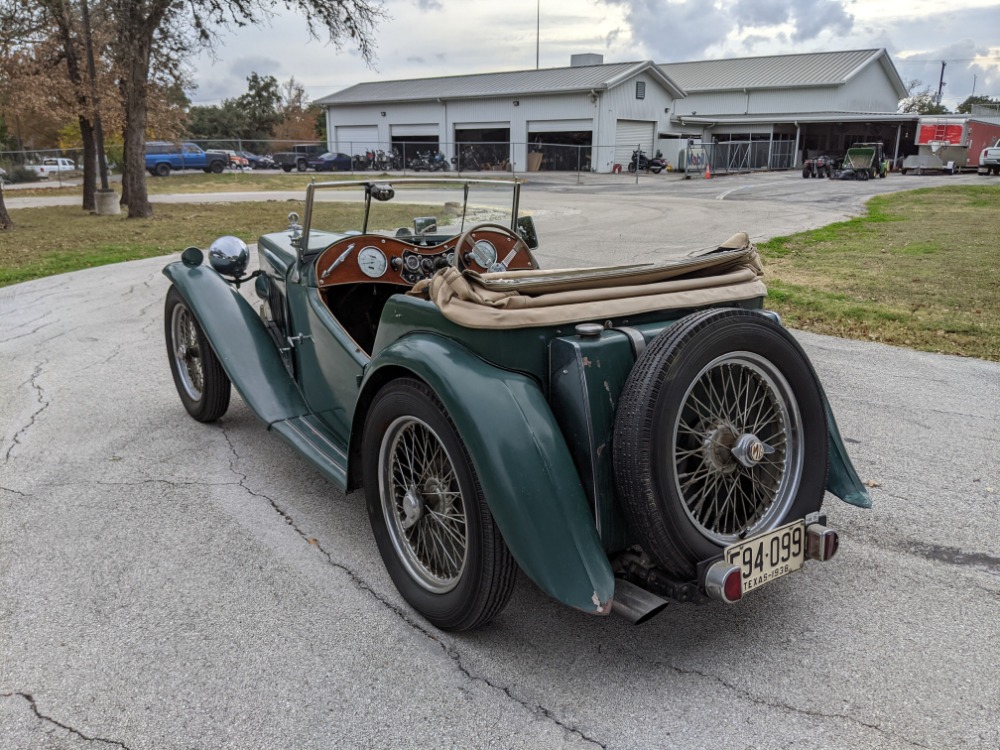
x=921 y=269
x=48 y=241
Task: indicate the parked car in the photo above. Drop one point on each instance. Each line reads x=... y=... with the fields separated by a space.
x=298 y=158
x=331 y=162
x=989 y=161
x=254 y=160
x=623 y=435
x=234 y=160
x=53 y=166
x=163 y=156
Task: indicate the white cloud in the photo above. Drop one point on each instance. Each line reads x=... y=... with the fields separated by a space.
x=444 y=37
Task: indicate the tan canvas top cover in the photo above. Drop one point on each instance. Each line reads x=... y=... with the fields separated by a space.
x=519 y=299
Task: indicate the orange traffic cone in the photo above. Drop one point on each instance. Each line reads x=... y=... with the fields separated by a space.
x=708 y=172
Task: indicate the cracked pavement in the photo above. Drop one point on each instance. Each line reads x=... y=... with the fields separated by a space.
x=167 y=584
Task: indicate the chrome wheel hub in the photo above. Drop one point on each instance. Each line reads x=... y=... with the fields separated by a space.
x=750 y=451
x=413 y=508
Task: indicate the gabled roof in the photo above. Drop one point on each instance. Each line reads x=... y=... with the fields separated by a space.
x=780 y=71
x=512 y=83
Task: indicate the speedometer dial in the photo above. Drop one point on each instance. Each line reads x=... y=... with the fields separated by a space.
x=372 y=262
x=484 y=253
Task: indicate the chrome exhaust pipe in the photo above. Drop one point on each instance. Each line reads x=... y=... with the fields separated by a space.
x=635 y=604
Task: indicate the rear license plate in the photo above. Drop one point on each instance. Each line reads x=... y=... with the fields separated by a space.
x=769 y=556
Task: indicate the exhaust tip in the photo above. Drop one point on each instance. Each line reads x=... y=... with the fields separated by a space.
x=634 y=604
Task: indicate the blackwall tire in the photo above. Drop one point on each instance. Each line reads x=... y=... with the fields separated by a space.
x=301 y=166
x=430 y=519
x=217 y=167
x=163 y=169
x=689 y=474
x=202 y=383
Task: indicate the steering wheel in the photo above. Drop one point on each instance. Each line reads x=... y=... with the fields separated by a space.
x=502 y=262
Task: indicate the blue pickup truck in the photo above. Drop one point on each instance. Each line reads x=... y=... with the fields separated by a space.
x=163 y=156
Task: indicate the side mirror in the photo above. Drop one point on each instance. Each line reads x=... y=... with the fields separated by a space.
x=382 y=192
x=526 y=228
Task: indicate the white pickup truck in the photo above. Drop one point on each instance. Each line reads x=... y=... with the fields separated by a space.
x=51 y=166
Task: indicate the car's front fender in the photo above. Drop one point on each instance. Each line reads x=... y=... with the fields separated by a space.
x=241 y=342
x=522 y=461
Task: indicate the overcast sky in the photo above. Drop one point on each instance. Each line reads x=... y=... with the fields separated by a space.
x=426 y=38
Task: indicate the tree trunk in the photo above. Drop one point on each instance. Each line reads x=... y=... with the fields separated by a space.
x=89 y=164
x=5 y=221
x=123 y=201
x=135 y=51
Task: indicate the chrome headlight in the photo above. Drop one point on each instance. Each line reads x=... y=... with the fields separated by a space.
x=229 y=256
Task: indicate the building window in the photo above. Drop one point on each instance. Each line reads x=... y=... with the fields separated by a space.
x=640 y=89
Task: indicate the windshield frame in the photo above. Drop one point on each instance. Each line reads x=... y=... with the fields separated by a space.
x=463 y=184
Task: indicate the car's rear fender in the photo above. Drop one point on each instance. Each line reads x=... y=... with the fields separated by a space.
x=521 y=458
x=241 y=342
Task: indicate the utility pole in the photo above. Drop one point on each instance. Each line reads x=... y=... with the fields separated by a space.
x=538 y=29
x=941 y=82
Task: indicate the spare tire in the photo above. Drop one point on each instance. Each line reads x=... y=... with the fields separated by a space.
x=720 y=435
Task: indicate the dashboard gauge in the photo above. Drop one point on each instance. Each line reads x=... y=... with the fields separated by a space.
x=412 y=262
x=484 y=253
x=372 y=262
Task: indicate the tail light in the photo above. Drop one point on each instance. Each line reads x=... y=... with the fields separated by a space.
x=724 y=582
x=821 y=542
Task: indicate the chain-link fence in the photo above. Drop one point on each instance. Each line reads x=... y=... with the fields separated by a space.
x=429 y=154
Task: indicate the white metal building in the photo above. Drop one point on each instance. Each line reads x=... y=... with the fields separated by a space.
x=599 y=112
x=592 y=115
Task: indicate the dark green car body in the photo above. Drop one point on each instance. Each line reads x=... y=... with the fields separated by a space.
x=535 y=407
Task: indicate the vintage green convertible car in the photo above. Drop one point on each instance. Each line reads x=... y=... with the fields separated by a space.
x=623 y=435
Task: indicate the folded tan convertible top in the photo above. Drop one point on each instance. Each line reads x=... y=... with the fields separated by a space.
x=518 y=299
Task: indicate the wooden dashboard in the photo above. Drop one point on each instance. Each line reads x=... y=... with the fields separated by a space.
x=373 y=258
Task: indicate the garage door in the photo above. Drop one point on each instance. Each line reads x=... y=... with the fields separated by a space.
x=628 y=135
x=356 y=139
x=409 y=131
x=559 y=126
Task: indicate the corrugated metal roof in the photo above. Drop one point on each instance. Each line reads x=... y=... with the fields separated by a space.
x=776 y=71
x=512 y=83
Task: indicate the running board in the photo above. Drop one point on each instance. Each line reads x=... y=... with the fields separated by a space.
x=317 y=444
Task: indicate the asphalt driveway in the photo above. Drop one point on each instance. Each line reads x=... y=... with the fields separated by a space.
x=167 y=584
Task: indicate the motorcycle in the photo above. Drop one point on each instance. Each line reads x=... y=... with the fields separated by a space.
x=640 y=161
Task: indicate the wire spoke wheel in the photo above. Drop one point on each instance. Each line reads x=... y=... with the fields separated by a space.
x=428 y=513
x=424 y=508
x=187 y=352
x=201 y=381
x=720 y=435
x=737 y=448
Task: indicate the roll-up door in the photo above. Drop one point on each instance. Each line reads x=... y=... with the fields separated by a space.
x=560 y=126
x=356 y=139
x=632 y=133
x=408 y=131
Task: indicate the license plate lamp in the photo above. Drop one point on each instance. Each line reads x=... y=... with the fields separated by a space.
x=821 y=542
